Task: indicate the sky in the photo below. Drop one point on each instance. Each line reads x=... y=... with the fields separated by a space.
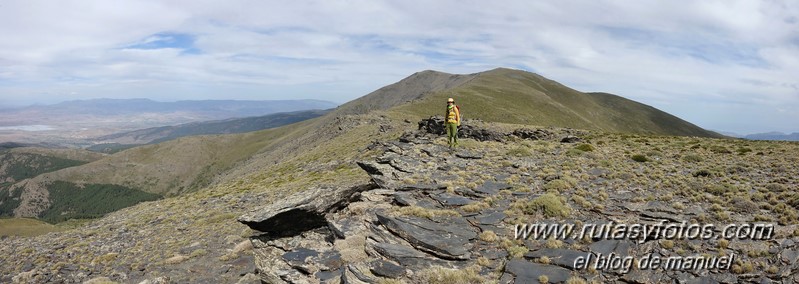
x=724 y=65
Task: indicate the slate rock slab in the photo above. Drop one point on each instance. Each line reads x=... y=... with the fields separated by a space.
x=387 y=269
x=447 y=199
x=489 y=218
x=405 y=255
x=529 y=272
x=449 y=240
x=606 y=247
x=560 y=257
x=492 y=187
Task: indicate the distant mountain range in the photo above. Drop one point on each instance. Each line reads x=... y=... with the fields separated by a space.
x=218 y=109
x=119 y=141
x=774 y=136
x=77 y=123
x=779 y=136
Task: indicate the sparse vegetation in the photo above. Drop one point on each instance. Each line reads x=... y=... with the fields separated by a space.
x=548 y=204
x=442 y=275
x=425 y=212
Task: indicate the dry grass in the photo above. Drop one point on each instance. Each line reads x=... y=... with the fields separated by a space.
x=441 y=275
x=418 y=211
x=25 y=227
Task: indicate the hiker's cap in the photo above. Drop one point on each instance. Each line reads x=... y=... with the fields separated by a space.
x=450 y=100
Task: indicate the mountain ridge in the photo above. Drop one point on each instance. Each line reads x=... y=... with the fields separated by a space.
x=499 y=95
x=605 y=174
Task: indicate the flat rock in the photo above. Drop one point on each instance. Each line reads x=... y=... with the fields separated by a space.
x=447 y=199
x=529 y=272
x=301 y=211
x=606 y=247
x=659 y=206
x=387 y=269
x=421 y=186
x=345 y=227
x=434 y=151
x=489 y=218
x=333 y=276
x=789 y=256
x=688 y=278
x=450 y=239
x=299 y=255
x=405 y=255
x=560 y=257
x=405 y=199
x=642 y=277
x=492 y=187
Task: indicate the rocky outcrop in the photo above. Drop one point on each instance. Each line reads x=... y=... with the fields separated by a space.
x=431 y=209
x=435 y=125
x=301 y=212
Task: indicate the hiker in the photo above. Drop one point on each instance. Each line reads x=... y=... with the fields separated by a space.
x=453 y=121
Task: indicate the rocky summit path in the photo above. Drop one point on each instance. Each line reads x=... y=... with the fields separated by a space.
x=439 y=215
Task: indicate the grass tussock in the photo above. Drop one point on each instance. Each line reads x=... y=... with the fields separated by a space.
x=548 y=204
x=441 y=275
x=418 y=211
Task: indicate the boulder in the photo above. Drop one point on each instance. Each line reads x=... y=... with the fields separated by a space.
x=570 y=139
x=301 y=211
x=538 y=134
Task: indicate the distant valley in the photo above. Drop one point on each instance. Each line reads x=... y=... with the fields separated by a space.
x=120 y=141
x=77 y=123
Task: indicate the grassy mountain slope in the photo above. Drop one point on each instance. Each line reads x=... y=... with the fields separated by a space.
x=227 y=126
x=416 y=86
x=513 y=96
x=166 y=169
x=19 y=164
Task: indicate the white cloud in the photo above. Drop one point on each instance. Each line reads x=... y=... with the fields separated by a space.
x=677 y=56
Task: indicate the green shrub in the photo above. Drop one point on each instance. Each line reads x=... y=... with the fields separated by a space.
x=639 y=158
x=585 y=147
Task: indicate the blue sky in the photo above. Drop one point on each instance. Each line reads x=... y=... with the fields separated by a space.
x=723 y=65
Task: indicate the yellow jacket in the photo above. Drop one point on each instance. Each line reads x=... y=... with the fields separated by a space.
x=453 y=115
